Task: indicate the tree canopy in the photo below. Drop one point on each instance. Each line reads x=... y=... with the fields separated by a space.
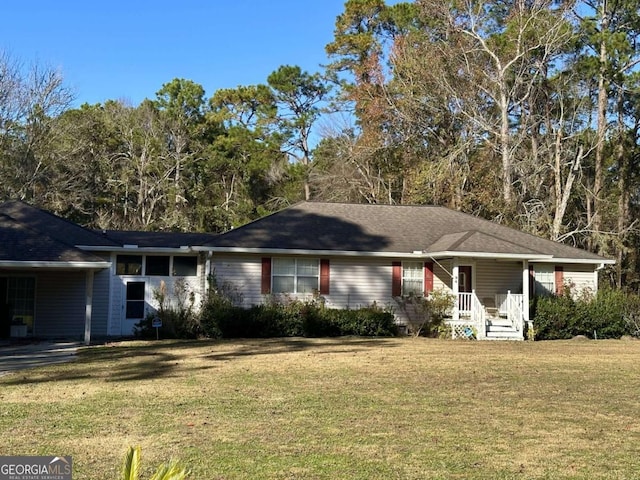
x=523 y=112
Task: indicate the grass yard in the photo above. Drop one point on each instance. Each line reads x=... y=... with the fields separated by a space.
x=345 y=408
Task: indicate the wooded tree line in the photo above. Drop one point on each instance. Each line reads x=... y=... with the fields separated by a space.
x=524 y=112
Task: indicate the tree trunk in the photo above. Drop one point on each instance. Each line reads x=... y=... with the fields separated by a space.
x=504 y=148
x=598 y=180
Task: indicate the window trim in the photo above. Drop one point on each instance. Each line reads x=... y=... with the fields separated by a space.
x=172 y=270
x=421 y=290
x=146 y=265
x=540 y=287
x=130 y=255
x=295 y=275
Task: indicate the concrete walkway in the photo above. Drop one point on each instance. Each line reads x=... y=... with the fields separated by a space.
x=15 y=357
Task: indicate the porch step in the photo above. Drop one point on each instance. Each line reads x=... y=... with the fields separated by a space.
x=498 y=322
x=502 y=332
x=499 y=328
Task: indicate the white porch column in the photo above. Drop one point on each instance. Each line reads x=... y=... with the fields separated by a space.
x=525 y=293
x=455 y=288
x=88 y=306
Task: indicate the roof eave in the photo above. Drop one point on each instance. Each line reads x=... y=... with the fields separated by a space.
x=45 y=264
x=594 y=261
x=135 y=249
x=499 y=256
x=303 y=251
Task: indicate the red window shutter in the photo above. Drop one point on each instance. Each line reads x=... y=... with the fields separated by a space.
x=396 y=279
x=559 y=280
x=265 y=287
x=324 y=276
x=428 y=278
x=532 y=281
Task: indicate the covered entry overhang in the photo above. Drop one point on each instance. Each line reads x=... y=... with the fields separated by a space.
x=60 y=292
x=492 y=290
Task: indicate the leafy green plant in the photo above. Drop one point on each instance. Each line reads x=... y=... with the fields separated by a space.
x=167 y=471
x=426 y=314
x=287 y=317
x=608 y=314
x=177 y=311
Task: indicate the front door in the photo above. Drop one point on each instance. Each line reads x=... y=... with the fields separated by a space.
x=464 y=286
x=134 y=306
x=464 y=279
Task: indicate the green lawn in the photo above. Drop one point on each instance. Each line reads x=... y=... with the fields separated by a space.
x=345 y=408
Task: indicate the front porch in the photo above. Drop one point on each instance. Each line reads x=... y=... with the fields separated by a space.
x=501 y=317
x=490 y=299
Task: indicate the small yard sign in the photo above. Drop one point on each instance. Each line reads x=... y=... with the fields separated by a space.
x=156 y=323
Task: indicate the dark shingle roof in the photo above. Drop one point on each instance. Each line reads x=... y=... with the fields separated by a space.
x=55 y=227
x=389 y=229
x=158 y=239
x=20 y=243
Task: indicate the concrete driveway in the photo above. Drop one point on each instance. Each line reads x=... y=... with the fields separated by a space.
x=37 y=354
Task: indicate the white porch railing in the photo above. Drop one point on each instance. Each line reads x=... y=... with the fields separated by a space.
x=470 y=313
x=515 y=310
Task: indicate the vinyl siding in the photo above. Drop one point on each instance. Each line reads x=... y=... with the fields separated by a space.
x=100 y=309
x=581 y=278
x=359 y=282
x=242 y=274
x=60 y=304
x=442 y=275
x=195 y=284
x=493 y=277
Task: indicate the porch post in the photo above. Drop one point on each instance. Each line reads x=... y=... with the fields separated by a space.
x=88 y=306
x=525 y=294
x=455 y=288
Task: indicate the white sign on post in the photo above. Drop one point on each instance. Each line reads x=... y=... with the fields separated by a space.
x=157 y=323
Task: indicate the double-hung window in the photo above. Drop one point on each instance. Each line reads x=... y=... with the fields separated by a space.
x=412 y=279
x=295 y=275
x=545 y=279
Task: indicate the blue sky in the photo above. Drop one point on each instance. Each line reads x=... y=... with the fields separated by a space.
x=127 y=49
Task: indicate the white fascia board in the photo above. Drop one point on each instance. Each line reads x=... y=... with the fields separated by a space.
x=586 y=261
x=294 y=251
x=138 y=249
x=66 y=265
x=344 y=253
x=497 y=256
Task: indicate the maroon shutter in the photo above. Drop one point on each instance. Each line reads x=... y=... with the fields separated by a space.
x=559 y=280
x=396 y=279
x=324 y=276
x=265 y=286
x=532 y=281
x=428 y=278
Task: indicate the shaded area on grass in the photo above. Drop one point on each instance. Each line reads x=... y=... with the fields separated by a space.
x=147 y=360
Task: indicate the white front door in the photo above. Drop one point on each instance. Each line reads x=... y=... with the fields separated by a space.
x=134 y=306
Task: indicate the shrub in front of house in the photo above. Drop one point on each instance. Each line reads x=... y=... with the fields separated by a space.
x=608 y=314
x=295 y=318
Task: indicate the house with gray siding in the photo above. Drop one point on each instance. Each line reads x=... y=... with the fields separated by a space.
x=58 y=279
x=353 y=255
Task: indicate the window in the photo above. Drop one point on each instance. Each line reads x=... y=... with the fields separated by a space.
x=185 y=266
x=291 y=275
x=21 y=300
x=157 y=265
x=135 y=300
x=129 y=265
x=412 y=278
x=545 y=280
